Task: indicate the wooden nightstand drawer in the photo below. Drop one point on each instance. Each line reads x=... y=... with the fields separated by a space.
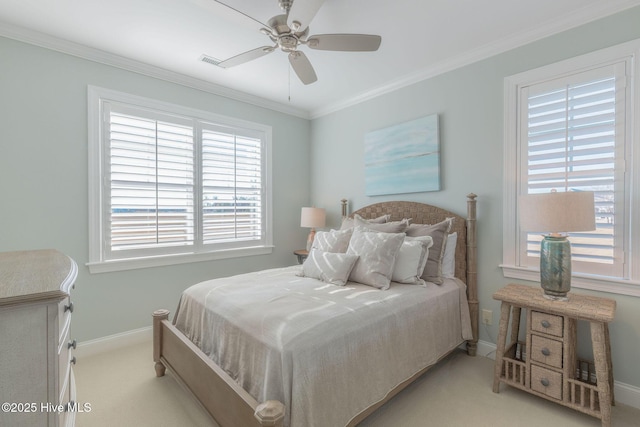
x=547 y=351
x=546 y=381
x=546 y=323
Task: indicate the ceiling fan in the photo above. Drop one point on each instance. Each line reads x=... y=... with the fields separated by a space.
x=291 y=30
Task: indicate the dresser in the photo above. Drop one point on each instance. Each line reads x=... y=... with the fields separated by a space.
x=37 y=386
x=546 y=363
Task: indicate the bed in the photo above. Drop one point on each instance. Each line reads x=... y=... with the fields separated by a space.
x=276 y=348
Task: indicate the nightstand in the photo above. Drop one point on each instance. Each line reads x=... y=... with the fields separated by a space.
x=546 y=364
x=302 y=254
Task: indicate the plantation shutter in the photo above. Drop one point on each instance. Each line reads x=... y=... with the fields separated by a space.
x=151 y=182
x=574 y=133
x=231 y=185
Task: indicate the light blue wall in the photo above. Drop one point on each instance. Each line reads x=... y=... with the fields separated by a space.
x=469 y=102
x=43 y=181
x=43 y=169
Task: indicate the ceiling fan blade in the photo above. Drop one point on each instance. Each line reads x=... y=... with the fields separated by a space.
x=240 y=12
x=246 y=56
x=303 y=68
x=302 y=12
x=345 y=42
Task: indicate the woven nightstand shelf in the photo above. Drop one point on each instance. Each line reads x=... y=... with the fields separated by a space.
x=546 y=364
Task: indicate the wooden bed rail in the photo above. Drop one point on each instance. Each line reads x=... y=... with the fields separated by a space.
x=217 y=392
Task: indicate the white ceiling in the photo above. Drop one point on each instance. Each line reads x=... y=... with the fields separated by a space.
x=166 y=38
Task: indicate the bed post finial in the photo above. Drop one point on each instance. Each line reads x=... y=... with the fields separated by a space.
x=344 y=207
x=270 y=413
x=472 y=275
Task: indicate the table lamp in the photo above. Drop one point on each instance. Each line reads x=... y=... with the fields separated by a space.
x=312 y=218
x=557 y=213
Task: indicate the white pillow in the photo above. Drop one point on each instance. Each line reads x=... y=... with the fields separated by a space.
x=449 y=258
x=332 y=241
x=387 y=227
x=329 y=267
x=439 y=232
x=411 y=260
x=377 y=252
x=350 y=222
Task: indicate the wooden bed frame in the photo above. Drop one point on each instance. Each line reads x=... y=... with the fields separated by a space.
x=232 y=406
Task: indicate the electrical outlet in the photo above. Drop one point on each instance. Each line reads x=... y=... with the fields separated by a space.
x=487 y=317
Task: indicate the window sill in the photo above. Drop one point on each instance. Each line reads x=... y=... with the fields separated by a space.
x=164 y=260
x=580 y=281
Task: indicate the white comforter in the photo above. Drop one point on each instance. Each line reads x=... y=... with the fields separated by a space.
x=326 y=352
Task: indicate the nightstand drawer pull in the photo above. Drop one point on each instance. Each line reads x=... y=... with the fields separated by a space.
x=72 y=344
x=545 y=382
x=545 y=351
x=545 y=324
x=69 y=308
x=73 y=360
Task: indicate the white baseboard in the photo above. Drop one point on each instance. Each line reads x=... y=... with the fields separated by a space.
x=624 y=393
x=113 y=342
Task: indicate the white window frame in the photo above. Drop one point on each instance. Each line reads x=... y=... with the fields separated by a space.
x=630 y=54
x=98 y=254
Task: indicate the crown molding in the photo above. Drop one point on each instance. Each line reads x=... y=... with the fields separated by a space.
x=579 y=17
x=96 y=55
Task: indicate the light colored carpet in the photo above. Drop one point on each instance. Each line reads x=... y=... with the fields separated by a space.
x=123 y=390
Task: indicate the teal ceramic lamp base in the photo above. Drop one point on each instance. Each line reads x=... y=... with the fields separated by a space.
x=555 y=267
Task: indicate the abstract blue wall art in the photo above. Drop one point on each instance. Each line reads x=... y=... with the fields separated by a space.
x=403 y=158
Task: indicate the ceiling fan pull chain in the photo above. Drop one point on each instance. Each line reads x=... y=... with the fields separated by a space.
x=289 y=69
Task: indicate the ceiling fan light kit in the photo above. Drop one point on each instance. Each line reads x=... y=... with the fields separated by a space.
x=290 y=30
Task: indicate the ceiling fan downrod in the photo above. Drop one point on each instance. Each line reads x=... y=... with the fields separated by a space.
x=285 y=5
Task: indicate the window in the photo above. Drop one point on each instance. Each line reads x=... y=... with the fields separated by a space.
x=170 y=184
x=570 y=127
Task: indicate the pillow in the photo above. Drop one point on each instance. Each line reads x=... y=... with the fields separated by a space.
x=411 y=260
x=449 y=257
x=332 y=241
x=350 y=222
x=329 y=267
x=377 y=252
x=387 y=227
x=438 y=232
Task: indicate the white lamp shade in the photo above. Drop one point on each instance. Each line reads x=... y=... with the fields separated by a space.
x=312 y=217
x=557 y=212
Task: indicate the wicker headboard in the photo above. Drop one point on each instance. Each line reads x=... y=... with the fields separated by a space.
x=421 y=213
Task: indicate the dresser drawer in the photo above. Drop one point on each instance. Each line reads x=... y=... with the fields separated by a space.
x=65 y=308
x=546 y=350
x=66 y=417
x=547 y=323
x=64 y=363
x=546 y=381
